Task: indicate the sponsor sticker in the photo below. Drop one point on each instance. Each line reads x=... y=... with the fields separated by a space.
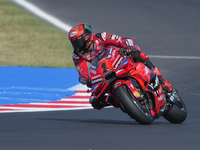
x=110 y=52
x=96 y=80
x=118 y=62
x=103 y=35
x=73 y=34
x=129 y=42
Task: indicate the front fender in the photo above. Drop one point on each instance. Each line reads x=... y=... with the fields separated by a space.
x=129 y=84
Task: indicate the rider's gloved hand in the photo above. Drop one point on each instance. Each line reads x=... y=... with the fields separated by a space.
x=140 y=56
x=85 y=81
x=89 y=83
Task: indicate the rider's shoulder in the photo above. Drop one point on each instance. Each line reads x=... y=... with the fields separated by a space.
x=102 y=35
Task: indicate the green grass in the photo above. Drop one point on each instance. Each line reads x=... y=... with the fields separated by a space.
x=26 y=40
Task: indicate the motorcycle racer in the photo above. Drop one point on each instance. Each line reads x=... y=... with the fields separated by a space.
x=84 y=42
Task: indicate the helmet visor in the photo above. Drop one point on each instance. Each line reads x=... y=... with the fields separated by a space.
x=77 y=43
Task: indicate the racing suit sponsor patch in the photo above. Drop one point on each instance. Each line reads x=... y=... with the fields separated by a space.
x=75 y=56
x=103 y=36
x=118 y=62
x=96 y=80
x=129 y=42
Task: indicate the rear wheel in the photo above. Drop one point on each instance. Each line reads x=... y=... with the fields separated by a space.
x=140 y=110
x=177 y=112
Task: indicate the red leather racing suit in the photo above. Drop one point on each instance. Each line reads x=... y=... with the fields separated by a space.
x=100 y=40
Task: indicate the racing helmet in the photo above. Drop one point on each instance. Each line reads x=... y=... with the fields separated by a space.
x=80 y=37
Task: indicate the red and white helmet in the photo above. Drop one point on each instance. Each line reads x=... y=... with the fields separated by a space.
x=80 y=37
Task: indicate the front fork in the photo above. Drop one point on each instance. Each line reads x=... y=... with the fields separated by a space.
x=171 y=98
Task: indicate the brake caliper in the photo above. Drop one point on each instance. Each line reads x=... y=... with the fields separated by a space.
x=172 y=97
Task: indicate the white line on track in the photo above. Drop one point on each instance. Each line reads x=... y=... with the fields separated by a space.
x=37 y=11
x=75 y=99
x=35 y=88
x=174 y=57
x=83 y=94
x=22 y=99
x=40 y=109
x=50 y=104
x=51 y=19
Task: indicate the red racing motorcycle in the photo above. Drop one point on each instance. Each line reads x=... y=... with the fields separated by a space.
x=134 y=86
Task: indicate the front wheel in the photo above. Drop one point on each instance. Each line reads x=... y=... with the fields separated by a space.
x=176 y=112
x=138 y=109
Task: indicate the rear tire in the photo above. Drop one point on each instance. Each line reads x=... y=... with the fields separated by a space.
x=177 y=112
x=141 y=113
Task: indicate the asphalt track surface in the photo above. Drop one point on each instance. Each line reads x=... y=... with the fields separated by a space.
x=167 y=28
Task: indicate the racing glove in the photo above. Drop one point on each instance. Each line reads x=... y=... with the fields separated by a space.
x=139 y=56
x=85 y=81
x=89 y=83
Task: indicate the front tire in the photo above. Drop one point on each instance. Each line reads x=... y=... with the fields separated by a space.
x=140 y=112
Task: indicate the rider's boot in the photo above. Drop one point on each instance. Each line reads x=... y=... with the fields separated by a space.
x=103 y=101
x=166 y=85
x=113 y=102
x=98 y=103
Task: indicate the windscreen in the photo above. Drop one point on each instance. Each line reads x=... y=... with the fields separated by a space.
x=99 y=55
